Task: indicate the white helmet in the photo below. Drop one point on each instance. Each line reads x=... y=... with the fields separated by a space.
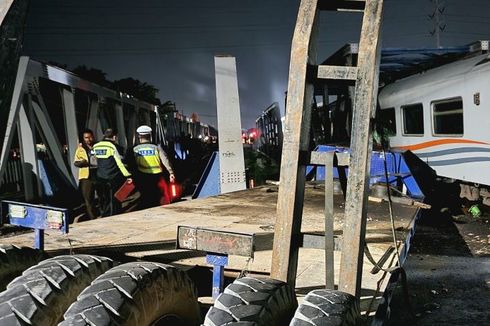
x=144 y=130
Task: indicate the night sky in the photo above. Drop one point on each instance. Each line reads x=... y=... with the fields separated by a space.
x=171 y=43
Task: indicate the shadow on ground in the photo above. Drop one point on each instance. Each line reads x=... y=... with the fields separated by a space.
x=447 y=285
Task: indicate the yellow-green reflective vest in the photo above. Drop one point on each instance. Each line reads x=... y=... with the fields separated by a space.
x=109 y=164
x=147 y=158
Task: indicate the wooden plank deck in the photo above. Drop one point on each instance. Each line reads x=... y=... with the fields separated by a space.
x=150 y=234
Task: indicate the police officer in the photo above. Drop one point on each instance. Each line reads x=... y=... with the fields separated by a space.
x=111 y=173
x=148 y=161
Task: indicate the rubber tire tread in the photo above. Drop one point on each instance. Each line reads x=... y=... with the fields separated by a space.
x=14 y=260
x=41 y=295
x=136 y=293
x=327 y=307
x=253 y=301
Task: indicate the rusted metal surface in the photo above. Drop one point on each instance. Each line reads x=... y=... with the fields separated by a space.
x=326 y=159
x=342 y=5
x=296 y=139
x=342 y=159
x=150 y=234
x=337 y=72
x=329 y=223
x=317 y=241
x=215 y=241
x=357 y=185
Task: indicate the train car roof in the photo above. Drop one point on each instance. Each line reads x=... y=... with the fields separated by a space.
x=426 y=82
x=398 y=63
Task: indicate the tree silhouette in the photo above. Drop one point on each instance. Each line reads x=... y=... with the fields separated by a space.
x=138 y=89
x=93 y=75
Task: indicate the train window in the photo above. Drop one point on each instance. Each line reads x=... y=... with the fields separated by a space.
x=447 y=117
x=413 y=119
x=387 y=121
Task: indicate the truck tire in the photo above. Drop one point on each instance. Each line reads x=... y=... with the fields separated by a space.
x=14 y=260
x=253 y=301
x=139 y=293
x=327 y=307
x=43 y=292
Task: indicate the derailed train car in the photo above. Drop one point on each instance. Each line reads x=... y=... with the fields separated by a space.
x=442 y=115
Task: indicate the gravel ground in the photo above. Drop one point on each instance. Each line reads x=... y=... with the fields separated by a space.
x=448 y=272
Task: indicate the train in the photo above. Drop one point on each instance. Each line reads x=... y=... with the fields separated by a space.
x=443 y=116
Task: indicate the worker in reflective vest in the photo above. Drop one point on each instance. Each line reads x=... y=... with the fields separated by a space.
x=87 y=174
x=111 y=173
x=148 y=161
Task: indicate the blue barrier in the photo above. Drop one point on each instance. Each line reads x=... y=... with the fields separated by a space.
x=398 y=170
x=209 y=184
x=37 y=217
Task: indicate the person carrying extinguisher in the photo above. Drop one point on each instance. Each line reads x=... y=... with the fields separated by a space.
x=148 y=161
x=111 y=173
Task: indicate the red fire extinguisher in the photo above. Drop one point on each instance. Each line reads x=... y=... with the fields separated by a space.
x=175 y=191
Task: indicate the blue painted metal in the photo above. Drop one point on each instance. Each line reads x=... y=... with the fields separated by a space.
x=179 y=152
x=39 y=239
x=45 y=182
x=398 y=170
x=209 y=184
x=37 y=217
x=219 y=262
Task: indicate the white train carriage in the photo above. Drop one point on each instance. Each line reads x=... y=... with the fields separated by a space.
x=443 y=116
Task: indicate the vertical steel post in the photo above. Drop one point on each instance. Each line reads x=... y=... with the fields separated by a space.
x=71 y=127
x=121 y=130
x=364 y=107
x=296 y=140
x=93 y=122
x=28 y=148
x=329 y=224
x=219 y=261
x=39 y=239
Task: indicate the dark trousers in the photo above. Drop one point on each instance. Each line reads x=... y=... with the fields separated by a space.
x=109 y=205
x=149 y=188
x=87 y=188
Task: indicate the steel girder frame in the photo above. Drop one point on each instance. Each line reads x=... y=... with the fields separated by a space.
x=68 y=100
x=27 y=140
x=17 y=97
x=26 y=87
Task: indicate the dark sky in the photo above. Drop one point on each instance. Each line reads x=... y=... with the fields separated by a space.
x=171 y=43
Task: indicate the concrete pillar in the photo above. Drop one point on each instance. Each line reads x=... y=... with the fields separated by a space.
x=231 y=158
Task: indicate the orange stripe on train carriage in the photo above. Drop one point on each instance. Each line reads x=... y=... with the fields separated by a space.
x=437 y=142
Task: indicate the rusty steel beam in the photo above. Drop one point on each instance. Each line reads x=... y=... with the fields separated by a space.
x=296 y=139
x=337 y=72
x=215 y=241
x=366 y=90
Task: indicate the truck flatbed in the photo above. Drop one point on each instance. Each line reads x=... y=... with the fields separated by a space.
x=151 y=235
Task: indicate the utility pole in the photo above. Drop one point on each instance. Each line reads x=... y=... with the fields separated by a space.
x=436 y=17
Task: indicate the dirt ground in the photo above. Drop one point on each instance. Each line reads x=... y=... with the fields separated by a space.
x=448 y=273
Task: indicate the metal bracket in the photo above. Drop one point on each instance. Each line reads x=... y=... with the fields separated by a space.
x=37 y=217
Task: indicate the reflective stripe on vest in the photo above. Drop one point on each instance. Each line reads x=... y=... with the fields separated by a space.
x=147 y=158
